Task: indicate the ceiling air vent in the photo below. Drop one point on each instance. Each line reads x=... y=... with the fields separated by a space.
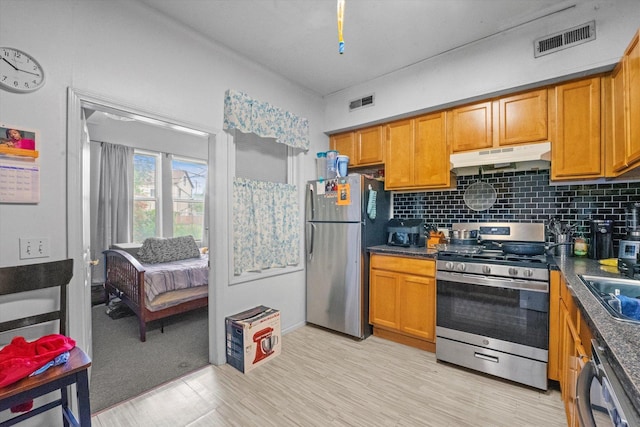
x=564 y=39
x=365 y=101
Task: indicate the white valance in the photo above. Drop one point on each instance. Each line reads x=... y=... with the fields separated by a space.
x=249 y=115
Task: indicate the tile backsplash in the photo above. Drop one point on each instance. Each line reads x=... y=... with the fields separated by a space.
x=523 y=197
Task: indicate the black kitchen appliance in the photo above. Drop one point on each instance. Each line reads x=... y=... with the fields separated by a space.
x=405 y=232
x=629 y=267
x=601 y=398
x=632 y=219
x=493 y=305
x=601 y=246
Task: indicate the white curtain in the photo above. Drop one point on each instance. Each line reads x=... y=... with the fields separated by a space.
x=115 y=201
x=265 y=225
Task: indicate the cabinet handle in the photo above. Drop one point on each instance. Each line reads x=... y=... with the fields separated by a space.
x=485 y=357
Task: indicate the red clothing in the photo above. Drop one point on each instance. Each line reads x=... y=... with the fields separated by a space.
x=20 y=358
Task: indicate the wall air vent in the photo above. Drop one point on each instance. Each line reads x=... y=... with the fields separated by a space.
x=564 y=39
x=365 y=101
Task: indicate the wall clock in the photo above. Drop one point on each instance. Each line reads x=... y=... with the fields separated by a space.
x=19 y=71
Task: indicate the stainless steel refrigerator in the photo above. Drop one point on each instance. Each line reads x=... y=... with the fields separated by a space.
x=340 y=224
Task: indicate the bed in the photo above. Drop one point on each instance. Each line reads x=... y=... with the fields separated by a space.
x=153 y=283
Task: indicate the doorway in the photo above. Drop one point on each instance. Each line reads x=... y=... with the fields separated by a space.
x=79 y=207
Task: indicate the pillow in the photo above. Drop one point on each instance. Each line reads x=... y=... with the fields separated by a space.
x=158 y=249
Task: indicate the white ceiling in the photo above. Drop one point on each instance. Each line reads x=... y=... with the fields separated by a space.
x=298 y=39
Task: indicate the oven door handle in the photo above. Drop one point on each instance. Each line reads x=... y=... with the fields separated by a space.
x=497 y=282
x=583 y=392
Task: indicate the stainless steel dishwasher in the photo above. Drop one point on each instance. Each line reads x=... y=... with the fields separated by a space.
x=602 y=400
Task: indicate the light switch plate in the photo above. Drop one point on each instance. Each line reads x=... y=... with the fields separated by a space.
x=34 y=247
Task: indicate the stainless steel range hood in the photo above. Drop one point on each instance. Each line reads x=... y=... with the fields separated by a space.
x=504 y=159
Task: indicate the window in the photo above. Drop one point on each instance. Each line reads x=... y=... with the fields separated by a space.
x=173 y=206
x=264 y=214
x=145 y=200
x=187 y=191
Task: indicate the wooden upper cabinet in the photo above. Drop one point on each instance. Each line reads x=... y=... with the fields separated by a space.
x=431 y=152
x=369 y=146
x=417 y=153
x=363 y=146
x=632 y=80
x=470 y=127
x=576 y=149
x=344 y=143
x=616 y=120
x=522 y=118
x=399 y=157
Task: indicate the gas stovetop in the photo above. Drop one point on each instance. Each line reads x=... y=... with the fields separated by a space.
x=494 y=256
x=488 y=248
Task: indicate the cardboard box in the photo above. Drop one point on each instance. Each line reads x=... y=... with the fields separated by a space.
x=253 y=337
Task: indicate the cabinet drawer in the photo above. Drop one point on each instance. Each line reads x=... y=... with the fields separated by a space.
x=418 y=267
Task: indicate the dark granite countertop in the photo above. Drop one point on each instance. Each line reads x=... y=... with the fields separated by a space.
x=621 y=340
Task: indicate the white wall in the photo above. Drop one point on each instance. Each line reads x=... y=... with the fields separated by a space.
x=124 y=52
x=494 y=65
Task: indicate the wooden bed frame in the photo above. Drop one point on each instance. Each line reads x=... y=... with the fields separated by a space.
x=124 y=277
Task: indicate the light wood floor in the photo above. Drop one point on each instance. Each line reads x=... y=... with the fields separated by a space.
x=325 y=379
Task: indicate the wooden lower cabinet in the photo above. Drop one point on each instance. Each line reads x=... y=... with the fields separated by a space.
x=402 y=300
x=569 y=344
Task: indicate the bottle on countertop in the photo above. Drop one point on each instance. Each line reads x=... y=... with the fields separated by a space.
x=580 y=246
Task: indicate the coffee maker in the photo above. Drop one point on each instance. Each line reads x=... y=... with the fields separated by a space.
x=601 y=246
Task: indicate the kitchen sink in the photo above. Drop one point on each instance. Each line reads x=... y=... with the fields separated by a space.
x=604 y=289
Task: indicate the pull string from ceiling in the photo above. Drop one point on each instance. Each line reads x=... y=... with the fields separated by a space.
x=340 y=22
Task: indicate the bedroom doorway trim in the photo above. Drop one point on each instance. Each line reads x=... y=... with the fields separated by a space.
x=78 y=221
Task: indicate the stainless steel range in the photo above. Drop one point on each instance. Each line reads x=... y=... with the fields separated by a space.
x=492 y=306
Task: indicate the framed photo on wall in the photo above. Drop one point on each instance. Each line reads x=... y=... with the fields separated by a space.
x=12 y=137
x=19 y=168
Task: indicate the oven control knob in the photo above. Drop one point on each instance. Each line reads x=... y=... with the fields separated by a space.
x=528 y=272
x=513 y=271
x=448 y=265
x=486 y=269
x=461 y=267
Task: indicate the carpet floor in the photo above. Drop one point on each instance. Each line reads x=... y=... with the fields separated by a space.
x=124 y=367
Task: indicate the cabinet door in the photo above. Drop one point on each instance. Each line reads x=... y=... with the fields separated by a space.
x=399 y=155
x=555 y=331
x=574 y=359
x=576 y=149
x=618 y=159
x=523 y=118
x=345 y=143
x=431 y=152
x=417 y=306
x=632 y=63
x=470 y=127
x=383 y=299
x=567 y=384
x=370 y=146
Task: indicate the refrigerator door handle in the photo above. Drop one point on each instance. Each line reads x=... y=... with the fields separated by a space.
x=311 y=235
x=312 y=201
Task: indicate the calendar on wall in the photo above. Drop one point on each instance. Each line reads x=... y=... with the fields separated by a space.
x=19 y=167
